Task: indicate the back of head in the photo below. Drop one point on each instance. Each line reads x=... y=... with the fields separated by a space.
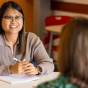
x=73 y=49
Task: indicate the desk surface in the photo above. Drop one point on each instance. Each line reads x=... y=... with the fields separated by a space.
x=54 y=28
x=32 y=84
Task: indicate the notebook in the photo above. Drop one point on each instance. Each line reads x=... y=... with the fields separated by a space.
x=18 y=78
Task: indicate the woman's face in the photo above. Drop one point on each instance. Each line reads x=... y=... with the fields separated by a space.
x=12 y=21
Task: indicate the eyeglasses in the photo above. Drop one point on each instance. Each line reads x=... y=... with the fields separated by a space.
x=10 y=18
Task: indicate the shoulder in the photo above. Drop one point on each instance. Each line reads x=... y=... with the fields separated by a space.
x=33 y=38
x=49 y=84
x=1 y=36
x=31 y=35
x=60 y=82
x=2 y=41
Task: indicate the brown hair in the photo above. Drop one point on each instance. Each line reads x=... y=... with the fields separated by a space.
x=73 y=49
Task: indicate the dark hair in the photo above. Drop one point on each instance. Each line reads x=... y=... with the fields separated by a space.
x=73 y=49
x=21 y=36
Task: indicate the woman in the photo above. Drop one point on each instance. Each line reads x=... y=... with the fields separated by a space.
x=73 y=56
x=16 y=43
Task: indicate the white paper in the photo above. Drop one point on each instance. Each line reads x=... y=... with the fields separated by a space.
x=18 y=78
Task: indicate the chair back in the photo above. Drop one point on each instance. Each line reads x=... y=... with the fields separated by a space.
x=56 y=20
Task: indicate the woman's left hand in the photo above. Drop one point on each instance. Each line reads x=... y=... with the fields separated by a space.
x=29 y=69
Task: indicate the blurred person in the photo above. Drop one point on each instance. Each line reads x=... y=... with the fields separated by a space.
x=73 y=56
x=25 y=47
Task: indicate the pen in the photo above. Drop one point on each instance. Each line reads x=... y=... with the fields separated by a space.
x=16 y=59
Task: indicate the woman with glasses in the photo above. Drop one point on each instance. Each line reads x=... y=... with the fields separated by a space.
x=18 y=49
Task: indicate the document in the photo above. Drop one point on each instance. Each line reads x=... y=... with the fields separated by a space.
x=18 y=78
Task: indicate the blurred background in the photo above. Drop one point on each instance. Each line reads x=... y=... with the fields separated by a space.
x=36 y=11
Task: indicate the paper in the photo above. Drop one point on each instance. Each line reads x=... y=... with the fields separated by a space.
x=18 y=78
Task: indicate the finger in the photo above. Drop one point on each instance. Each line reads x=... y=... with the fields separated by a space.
x=23 y=60
x=27 y=68
x=20 y=71
x=29 y=64
x=29 y=72
x=25 y=63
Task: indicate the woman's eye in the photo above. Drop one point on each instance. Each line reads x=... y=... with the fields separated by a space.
x=7 y=17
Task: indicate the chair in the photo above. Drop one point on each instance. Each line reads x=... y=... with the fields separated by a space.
x=51 y=21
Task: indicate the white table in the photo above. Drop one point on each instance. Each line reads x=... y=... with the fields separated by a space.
x=53 y=29
x=31 y=84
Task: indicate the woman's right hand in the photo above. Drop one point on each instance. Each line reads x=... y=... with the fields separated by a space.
x=17 y=68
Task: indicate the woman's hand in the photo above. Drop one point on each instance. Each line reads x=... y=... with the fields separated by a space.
x=17 y=68
x=29 y=68
x=24 y=67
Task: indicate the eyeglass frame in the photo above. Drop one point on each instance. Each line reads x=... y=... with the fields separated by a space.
x=10 y=18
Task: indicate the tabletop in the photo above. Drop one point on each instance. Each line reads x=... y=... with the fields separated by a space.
x=32 y=84
x=54 y=28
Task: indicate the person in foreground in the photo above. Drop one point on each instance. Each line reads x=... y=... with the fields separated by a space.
x=25 y=47
x=73 y=56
